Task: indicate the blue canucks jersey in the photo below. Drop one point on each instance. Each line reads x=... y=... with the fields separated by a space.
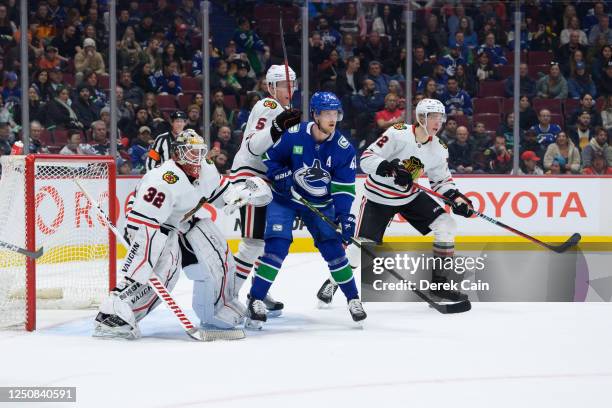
x=323 y=173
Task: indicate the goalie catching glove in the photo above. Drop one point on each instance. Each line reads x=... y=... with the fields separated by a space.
x=253 y=191
x=464 y=207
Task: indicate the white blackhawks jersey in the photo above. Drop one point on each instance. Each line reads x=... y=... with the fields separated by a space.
x=165 y=195
x=399 y=142
x=256 y=141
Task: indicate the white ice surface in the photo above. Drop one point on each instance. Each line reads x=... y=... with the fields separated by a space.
x=407 y=355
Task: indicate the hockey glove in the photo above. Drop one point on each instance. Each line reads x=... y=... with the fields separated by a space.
x=282 y=180
x=284 y=121
x=463 y=208
x=346 y=222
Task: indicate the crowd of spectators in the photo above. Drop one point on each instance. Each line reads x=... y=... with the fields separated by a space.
x=462 y=55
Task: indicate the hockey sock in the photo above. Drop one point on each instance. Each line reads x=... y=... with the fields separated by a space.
x=442 y=250
x=268 y=266
x=243 y=269
x=339 y=268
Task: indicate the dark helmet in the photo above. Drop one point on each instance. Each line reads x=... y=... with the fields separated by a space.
x=178 y=115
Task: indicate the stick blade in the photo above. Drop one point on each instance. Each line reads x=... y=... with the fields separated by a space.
x=571 y=242
x=215 y=335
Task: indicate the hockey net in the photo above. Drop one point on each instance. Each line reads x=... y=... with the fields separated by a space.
x=41 y=206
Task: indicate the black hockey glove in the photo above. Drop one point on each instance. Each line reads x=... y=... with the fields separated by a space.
x=284 y=121
x=347 y=225
x=464 y=209
x=395 y=169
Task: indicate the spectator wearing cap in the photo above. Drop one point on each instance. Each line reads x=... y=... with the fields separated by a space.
x=89 y=59
x=168 y=80
x=5 y=136
x=553 y=85
x=248 y=41
x=451 y=60
x=390 y=115
x=598 y=167
x=461 y=153
x=545 y=131
x=566 y=149
x=529 y=165
x=455 y=100
x=556 y=167
x=581 y=82
x=495 y=52
x=50 y=59
x=139 y=148
x=67 y=43
x=583 y=132
x=527 y=85
x=182 y=43
x=587 y=104
x=605 y=84
x=242 y=77
x=11 y=88
x=82 y=106
x=597 y=145
x=124 y=167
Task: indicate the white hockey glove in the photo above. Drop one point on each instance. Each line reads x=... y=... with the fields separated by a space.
x=253 y=191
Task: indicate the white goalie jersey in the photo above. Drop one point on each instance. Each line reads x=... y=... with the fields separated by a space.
x=399 y=142
x=256 y=141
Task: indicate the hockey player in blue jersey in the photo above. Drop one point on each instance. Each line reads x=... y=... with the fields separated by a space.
x=315 y=161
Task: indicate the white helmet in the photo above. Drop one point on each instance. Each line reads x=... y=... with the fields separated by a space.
x=276 y=73
x=427 y=106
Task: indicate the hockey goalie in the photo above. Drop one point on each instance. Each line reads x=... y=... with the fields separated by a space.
x=162 y=242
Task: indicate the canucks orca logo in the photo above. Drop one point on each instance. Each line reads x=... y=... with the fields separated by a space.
x=314 y=180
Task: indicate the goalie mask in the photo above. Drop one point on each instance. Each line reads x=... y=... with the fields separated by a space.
x=189 y=150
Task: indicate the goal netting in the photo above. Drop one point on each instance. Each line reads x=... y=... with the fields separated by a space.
x=41 y=206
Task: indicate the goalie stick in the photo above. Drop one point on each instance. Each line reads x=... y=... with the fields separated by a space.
x=164 y=295
x=570 y=242
x=444 y=308
x=22 y=251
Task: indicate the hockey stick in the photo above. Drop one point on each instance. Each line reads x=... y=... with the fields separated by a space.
x=282 y=35
x=22 y=251
x=570 y=242
x=448 y=308
x=195 y=209
x=162 y=292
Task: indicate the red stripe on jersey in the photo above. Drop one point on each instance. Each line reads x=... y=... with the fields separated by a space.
x=244 y=173
x=248 y=221
x=137 y=221
x=388 y=192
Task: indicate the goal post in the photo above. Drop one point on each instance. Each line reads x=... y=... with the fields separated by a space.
x=41 y=206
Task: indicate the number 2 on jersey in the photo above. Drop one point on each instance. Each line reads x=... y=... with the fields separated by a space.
x=153 y=197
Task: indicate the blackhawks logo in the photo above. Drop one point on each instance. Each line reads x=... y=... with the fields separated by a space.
x=414 y=166
x=400 y=126
x=270 y=104
x=170 y=178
